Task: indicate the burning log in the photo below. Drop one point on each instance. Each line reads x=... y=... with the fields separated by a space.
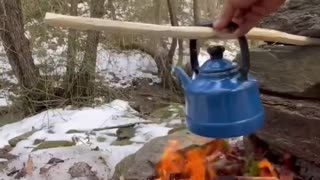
x=176 y=177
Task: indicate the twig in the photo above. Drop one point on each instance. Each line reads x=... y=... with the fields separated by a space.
x=120 y=126
x=213 y=157
x=256 y=178
x=73 y=131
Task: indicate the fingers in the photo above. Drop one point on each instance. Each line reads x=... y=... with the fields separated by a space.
x=225 y=18
x=250 y=20
x=246 y=19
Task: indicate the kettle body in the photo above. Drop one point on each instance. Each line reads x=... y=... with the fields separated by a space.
x=223 y=99
x=223 y=107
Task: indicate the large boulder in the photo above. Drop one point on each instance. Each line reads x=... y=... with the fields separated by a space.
x=296 y=17
x=141 y=164
x=289 y=70
x=292 y=127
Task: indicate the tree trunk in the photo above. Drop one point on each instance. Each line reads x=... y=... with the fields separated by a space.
x=112 y=9
x=17 y=46
x=88 y=67
x=19 y=54
x=71 y=52
x=157 y=20
x=196 y=11
x=167 y=79
x=180 y=53
x=196 y=16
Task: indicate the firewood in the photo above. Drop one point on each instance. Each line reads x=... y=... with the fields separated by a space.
x=256 y=178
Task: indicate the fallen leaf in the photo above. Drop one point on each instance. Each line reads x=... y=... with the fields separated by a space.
x=29 y=166
x=55 y=161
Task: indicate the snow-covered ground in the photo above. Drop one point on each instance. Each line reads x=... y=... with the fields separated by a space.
x=53 y=124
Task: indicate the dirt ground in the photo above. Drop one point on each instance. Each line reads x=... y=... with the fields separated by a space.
x=146 y=98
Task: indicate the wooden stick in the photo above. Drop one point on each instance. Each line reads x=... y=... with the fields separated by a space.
x=256 y=178
x=183 y=32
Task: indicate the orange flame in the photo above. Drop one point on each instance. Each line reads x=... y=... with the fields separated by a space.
x=171 y=161
x=192 y=163
x=266 y=168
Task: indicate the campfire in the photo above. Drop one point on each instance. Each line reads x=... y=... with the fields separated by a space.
x=217 y=160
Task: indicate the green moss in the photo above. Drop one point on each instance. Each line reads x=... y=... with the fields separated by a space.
x=123 y=142
x=53 y=144
x=74 y=131
x=101 y=139
x=14 y=141
x=174 y=110
x=251 y=167
x=8 y=116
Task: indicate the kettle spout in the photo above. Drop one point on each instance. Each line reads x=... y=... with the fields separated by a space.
x=182 y=75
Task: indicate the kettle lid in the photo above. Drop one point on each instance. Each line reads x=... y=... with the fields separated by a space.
x=216 y=63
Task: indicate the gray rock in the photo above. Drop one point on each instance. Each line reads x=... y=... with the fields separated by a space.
x=141 y=164
x=125 y=133
x=82 y=169
x=296 y=17
x=3 y=164
x=288 y=70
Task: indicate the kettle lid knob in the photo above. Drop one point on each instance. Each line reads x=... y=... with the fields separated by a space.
x=216 y=52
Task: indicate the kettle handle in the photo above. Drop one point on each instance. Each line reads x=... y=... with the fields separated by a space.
x=244 y=50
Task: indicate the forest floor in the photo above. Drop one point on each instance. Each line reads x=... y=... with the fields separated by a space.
x=68 y=142
x=49 y=145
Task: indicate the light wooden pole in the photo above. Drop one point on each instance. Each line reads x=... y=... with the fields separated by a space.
x=183 y=32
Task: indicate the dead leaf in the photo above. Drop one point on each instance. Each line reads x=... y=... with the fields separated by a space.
x=55 y=161
x=22 y=173
x=29 y=166
x=12 y=172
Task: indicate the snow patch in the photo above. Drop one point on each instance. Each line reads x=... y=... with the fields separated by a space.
x=53 y=125
x=120 y=68
x=147 y=132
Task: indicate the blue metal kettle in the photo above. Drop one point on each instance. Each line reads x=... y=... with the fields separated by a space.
x=223 y=100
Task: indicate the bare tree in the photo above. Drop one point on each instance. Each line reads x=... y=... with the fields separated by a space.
x=16 y=44
x=167 y=77
x=196 y=15
x=157 y=20
x=112 y=9
x=19 y=54
x=72 y=51
x=88 y=67
x=196 y=11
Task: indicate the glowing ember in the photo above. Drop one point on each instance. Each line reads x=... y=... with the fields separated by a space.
x=266 y=169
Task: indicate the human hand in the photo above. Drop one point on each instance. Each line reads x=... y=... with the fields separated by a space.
x=245 y=13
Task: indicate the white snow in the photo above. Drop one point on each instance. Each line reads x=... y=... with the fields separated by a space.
x=120 y=68
x=147 y=132
x=4 y=97
x=54 y=124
